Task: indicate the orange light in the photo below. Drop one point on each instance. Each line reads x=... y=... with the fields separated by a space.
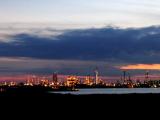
x=141 y=67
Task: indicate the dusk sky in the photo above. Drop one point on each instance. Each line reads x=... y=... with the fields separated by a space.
x=86 y=13
x=76 y=36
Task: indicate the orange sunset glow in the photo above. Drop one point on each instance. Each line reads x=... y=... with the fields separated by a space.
x=141 y=67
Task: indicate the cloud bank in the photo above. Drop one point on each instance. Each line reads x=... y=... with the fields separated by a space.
x=110 y=46
x=113 y=44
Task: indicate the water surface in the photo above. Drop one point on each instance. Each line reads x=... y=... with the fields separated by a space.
x=112 y=91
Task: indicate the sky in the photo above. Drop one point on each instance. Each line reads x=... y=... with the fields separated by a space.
x=76 y=36
x=86 y=13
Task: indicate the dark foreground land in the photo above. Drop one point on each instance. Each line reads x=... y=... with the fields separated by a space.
x=38 y=92
x=40 y=99
x=53 y=97
x=78 y=104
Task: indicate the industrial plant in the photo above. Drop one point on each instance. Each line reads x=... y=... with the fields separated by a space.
x=73 y=82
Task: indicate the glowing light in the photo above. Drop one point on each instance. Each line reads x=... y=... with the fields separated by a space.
x=141 y=67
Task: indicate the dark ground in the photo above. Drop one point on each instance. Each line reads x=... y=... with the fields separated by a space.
x=87 y=99
x=90 y=105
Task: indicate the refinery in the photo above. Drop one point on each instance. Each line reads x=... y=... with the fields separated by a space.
x=73 y=82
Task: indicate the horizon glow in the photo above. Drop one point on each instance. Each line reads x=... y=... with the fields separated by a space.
x=141 y=67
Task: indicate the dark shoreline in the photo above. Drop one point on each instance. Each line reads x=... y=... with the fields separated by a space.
x=81 y=95
x=67 y=101
x=35 y=95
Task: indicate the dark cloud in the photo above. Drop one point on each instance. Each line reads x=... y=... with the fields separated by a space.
x=106 y=44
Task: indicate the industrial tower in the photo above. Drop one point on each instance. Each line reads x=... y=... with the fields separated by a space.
x=55 y=78
x=96 y=76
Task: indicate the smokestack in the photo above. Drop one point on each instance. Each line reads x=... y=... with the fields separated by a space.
x=147 y=75
x=124 y=75
x=96 y=76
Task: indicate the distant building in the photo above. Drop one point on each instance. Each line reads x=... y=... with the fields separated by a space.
x=55 y=78
x=72 y=81
x=88 y=80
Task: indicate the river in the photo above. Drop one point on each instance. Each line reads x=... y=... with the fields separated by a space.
x=112 y=91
